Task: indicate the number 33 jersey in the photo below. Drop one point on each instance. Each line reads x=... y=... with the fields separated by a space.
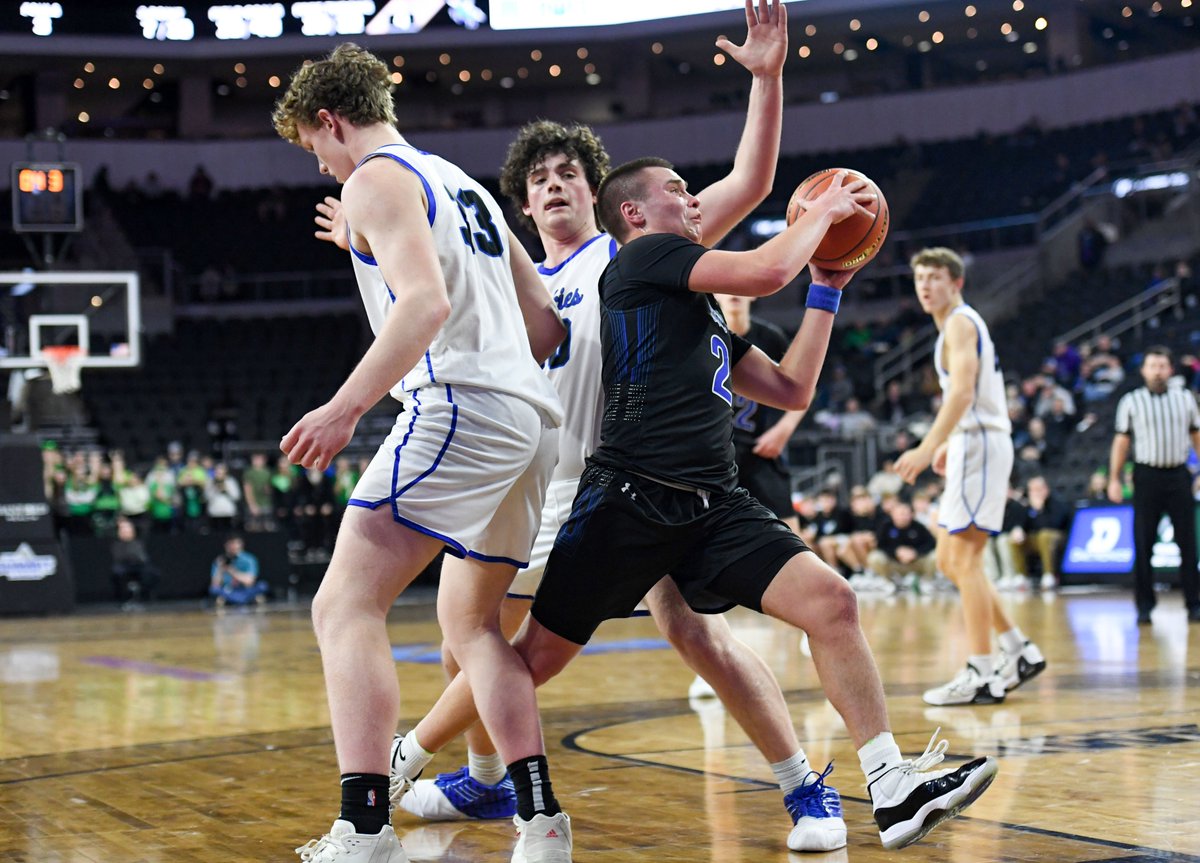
x=667 y=361
x=483 y=342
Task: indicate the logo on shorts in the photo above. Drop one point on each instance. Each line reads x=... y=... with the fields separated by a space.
x=625 y=490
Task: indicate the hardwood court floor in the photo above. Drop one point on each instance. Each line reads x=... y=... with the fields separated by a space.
x=186 y=736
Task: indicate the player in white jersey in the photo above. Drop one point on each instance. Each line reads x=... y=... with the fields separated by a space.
x=970 y=443
x=466 y=466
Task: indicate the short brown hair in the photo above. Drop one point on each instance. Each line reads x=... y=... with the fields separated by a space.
x=939 y=256
x=1160 y=351
x=351 y=82
x=624 y=183
x=538 y=141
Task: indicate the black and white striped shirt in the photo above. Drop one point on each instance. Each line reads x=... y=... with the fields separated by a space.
x=1161 y=425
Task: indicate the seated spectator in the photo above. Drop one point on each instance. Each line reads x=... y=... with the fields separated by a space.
x=221 y=496
x=1059 y=424
x=840 y=389
x=895 y=405
x=1048 y=392
x=856 y=422
x=1102 y=372
x=133 y=577
x=1041 y=531
x=998 y=562
x=1031 y=447
x=1066 y=364
x=864 y=524
x=1097 y=488
x=904 y=546
x=235 y=576
x=832 y=524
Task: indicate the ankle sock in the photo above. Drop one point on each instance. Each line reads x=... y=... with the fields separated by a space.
x=531 y=780
x=488 y=769
x=983 y=664
x=1012 y=641
x=365 y=801
x=879 y=754
x=409 y=758
x=791 y=772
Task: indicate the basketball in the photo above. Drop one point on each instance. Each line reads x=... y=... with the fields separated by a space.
x=852 y=242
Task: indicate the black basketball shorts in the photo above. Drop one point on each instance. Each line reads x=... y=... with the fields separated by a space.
x=626 y=532
x=767 y=481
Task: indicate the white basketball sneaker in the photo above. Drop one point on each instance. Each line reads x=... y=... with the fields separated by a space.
x=967 y=687
x=543 y=839
x=1014 y=669
x=342 y=845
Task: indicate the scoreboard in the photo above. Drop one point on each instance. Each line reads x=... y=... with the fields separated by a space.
x=46 y=197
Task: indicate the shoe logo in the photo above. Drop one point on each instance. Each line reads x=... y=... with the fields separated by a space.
x=553 y=834
x=877 y=769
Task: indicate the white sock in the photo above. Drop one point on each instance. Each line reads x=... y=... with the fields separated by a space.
x=488 y=769
x=878 y=754
x=1012 y=641
x=791 y=772
x=411 y=759
x=983 y=664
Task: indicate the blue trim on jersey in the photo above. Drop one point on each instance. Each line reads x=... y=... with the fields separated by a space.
x=612 y=248
x=585 y=504
x=550 y=271
x=396 y=495
x=453 y=546
x=428 y=189
x=527 y=597
x=366 y=259
x=969 y=524
x=429 y=366
x=487 y=558
x=635 y=368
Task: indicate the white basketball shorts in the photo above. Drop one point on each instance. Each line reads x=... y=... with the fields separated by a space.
x=467 y=466
x=978 y=466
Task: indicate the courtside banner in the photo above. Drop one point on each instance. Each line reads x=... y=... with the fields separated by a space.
x=1101 y=541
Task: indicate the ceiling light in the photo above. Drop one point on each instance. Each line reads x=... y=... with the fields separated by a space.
x=872 y=44
x=718 y=59
x=804 y=51
x=923 y=16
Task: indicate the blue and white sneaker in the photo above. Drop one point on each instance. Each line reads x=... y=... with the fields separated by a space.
x=816 y=811
x=454 y=796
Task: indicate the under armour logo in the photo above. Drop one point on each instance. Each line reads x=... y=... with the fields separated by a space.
x=625 y=489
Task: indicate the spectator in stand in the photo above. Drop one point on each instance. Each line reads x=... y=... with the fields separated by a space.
x=200 y=186
x=905 y=548
x=895 y=405
x=135 y=499
x=107 y=504
x=840 y=389
x=190 y=484
x=235 y=576
x=854 y=421
x=1092 y=243
x=865 y=521
x=1041 y=531
x=256 y=492
x=832 y=524
x=1067 y=363
x=1031 y=447
x=283 y=486
x=133 y=576
x=1102 y=371
x=1059 y=425
x=1048 y=392
x=79 y=495
x=1097 y=488
x=313 y=508
x=998 y=560
x=175 y=457
x=162 y=485
x=221 y=496
x=344 y=481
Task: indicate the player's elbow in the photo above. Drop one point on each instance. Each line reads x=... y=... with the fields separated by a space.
x=767 y=278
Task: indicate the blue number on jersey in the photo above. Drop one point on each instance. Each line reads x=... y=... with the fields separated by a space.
x=486 y=240
x=559 y=358
x=744 y=411
x=721 y=376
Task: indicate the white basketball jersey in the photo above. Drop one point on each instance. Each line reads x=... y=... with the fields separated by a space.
x=989 y=409
x=483 y=342
x=575 y=368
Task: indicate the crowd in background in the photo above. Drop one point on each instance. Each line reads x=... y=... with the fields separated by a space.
x=91 y=491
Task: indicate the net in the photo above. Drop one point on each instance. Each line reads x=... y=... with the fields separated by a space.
x=64 y=362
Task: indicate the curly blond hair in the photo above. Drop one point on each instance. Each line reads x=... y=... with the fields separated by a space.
x=351 y=82
x=541 y=139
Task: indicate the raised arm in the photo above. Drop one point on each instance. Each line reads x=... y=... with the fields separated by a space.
x=730 y=199
x=962 y=360
x=385 y=205
x=542 y=323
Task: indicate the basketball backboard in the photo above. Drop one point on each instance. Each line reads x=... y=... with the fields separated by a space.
x=100 y=312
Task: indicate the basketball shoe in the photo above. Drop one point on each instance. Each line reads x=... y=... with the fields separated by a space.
x=452 y=796
x=1014 y=669
x=342 y=845
x=816 y=811
x=967 y=687
x=910 y=798
x=543 y=839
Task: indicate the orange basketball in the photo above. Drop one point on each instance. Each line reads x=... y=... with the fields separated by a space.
x=851 y=242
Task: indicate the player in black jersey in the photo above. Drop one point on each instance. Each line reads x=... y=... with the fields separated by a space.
x=761 y=432
x=660 y=493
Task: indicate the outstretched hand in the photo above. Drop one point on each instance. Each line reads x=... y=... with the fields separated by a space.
x=766 y=43
x=332 y=222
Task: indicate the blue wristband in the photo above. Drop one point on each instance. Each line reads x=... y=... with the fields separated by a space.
x=823 y=297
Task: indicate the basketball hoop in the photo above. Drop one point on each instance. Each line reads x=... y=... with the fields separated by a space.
x=64 y=362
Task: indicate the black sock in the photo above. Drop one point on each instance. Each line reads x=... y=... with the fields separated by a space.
x=365 y=801
x=531 y=781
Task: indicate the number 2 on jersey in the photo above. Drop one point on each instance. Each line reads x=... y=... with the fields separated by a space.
x=721 y=376
x=559 y=358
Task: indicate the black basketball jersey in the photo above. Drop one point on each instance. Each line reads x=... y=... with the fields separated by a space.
x=751 y=419
x=667 y=356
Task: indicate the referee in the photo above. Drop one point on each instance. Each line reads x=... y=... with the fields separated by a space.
x=1163 y=423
